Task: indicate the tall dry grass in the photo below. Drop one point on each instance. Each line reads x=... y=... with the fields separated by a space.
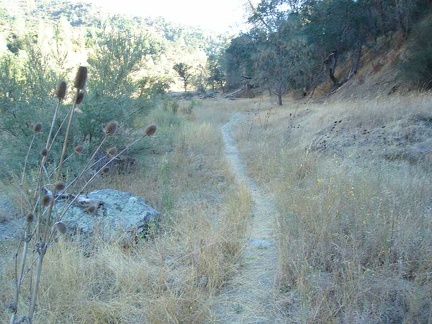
x=354 y=232
x=355 y=225
x=173 y=276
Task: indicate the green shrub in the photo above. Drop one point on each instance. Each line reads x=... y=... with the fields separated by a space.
x=170 y=105
x=40 y=188
x=416 y=64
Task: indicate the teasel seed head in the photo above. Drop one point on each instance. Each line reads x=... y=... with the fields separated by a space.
x=150 y=130
x=91 y=209
x=61 y=90
x=46 y=200
x=78 y=149
x=61 y=227
x=30 y=217
x=44 y=152
x=59 y=185
x=112 y=151
x=81 y=77
x=79 y=98
x=111 y=128
x=37 y=127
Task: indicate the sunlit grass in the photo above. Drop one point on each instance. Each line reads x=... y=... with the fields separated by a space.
x=355 y=226
x=354 y=232
x=172 y=276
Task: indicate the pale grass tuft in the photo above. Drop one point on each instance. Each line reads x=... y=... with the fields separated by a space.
x=349 y=215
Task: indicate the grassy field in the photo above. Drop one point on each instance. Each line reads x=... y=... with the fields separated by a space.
x=352 y=182
x=353 y=185
x=172 y=277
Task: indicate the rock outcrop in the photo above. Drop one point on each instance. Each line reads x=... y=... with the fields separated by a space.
x=110 y=214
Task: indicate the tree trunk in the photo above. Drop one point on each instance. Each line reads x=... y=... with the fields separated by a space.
x=279 y=94
x=331 y=62
x=354 y=69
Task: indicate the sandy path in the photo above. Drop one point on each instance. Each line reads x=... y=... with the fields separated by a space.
x=248 y=297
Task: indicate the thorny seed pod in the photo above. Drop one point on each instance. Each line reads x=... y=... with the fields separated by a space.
x=61 y=227
x=78 y=149
x=44 y=152
x=105 y=170
x=59 y=185
x=29 y=217
x=46 y=200
x=150 y=130
x=91 y=209
x=61 y=90
x=37 y=127
x=111 y=128
x=112 y=151
x=81 y=77
x=79 y=98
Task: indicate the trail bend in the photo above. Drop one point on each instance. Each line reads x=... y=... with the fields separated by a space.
x=249 y=296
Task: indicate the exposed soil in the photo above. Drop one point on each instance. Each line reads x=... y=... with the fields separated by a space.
x=248 y=297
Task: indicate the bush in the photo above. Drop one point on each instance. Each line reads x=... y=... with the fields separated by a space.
x=416 y=64
x=44 y=223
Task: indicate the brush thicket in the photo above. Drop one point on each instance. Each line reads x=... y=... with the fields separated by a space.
x=44 y=222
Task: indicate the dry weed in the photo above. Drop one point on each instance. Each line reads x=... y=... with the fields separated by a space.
x=355 y=226
x=172 y=277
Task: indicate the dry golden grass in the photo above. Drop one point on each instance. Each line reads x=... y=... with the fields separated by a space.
x=353 y=184
x=354 y=232
x=173 y=276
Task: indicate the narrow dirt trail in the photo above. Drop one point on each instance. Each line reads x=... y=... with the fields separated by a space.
x=248 y=297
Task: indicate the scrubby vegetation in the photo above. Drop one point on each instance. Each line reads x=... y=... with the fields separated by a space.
x=171 y=277
x=354 y=226
x=346 y=158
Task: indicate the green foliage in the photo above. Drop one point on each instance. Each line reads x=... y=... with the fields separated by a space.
x=416 y=64
x=49 y=183
x=185 y=73
x=293 y=40
x=150 y=86
x=170 y=105
x=24 y=82
x=334 y=25
x=130 y=66
x=238 y=59
x=285 y=58
x=217 y=76
x=118 y=52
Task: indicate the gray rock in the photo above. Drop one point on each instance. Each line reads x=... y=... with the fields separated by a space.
x=119 y=214
x=259 y=243
x=10 y=223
